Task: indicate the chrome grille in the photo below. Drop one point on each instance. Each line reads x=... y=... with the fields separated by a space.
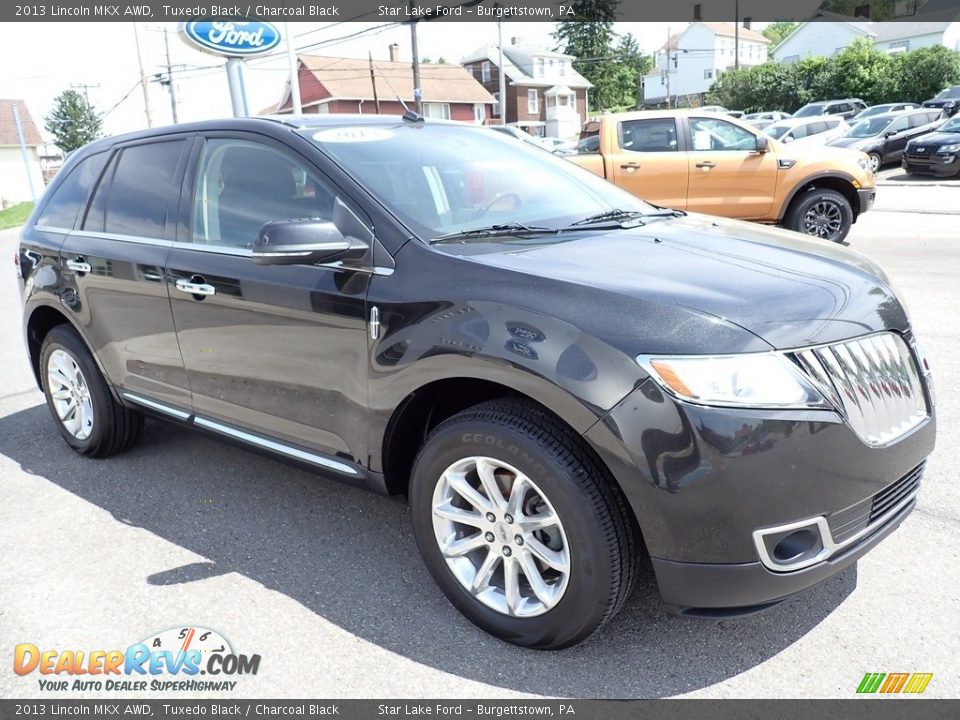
x=873 y=381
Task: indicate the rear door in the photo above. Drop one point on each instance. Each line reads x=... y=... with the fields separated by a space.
x=113 y=270
x=279 y=351
x=649 y=161
x=894 y=144
x=728 y=176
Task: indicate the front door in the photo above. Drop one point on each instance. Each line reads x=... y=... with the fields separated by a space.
x=728 y=176
x=279 y=350
x=649 y=161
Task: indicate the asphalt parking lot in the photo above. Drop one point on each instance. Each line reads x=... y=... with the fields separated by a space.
x=324 y=581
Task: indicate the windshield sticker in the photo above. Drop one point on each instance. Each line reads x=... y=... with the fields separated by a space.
x=353 y=134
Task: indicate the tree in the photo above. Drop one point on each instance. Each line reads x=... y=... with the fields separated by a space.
x=924 y=72
x=864 y=72
x=632 y=66
x=588 y=35
x=775 y=32
x=73 y=122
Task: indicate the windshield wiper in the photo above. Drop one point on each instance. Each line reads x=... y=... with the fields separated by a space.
x=619 y=216
x=510 y=228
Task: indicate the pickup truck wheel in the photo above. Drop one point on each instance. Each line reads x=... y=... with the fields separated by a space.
x=87 y=416
x=520 y=526
x=822 y=213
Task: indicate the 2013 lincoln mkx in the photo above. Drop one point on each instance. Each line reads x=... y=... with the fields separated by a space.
x=559 y=377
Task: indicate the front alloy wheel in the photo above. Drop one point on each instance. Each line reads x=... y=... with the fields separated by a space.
x=521 y=525
x=501 y=537
x=823 y=219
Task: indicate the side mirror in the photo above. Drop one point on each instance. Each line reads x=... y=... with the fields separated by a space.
x=787 y=139
x=310 y=241
x=763 y=144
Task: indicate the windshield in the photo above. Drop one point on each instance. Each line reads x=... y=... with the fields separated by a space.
x=869 y=128
x=441 y=179
x=808 y=110
x=870 y=111
x=777 y=131
x=950 y=126
x=953 y=92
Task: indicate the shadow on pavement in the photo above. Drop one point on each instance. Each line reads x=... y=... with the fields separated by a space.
x=350 y=557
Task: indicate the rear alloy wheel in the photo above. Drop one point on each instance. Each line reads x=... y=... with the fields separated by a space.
x=88 y=417
x=875 y=161
x=822 y=213
x=521 y=526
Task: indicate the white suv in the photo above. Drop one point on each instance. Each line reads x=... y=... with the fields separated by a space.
x=808 y=131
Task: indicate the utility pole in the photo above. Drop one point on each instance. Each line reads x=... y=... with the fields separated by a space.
x=667 y=55
x=143 y=77
x=23 y=150
x=736 y=34
x=373 y=81
x=86 y=91
x=296 y=106
x=503 y=77
x=173 y=92
x=417 y=94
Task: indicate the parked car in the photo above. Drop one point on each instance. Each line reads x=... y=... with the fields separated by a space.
x=517 y=134
x=937 y=152
x=884 y=137
x=808 y=131
x=846 y=108
x=557 y=376
x=707 y=163
x=760 y=120
x=883 y=109
x=721 y=109
x=947 y=100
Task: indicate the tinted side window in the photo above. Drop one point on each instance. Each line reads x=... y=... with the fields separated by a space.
x=831 y=124
x=659 y=135
x=62 y=209
x=897 y=125
x=138 y=197
x=241 y=185
x=816 y=128
x=918 y=120
x=800 y=131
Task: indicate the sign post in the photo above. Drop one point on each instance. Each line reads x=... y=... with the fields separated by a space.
x=234 y=41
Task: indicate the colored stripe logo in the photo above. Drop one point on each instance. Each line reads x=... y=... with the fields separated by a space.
x=894 y=683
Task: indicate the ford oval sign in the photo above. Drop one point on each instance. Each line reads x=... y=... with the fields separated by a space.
x=231 y=39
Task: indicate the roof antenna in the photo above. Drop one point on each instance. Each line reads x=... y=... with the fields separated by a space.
x=408 y=114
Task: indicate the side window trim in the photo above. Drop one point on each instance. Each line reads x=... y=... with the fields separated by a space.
x=183 y=238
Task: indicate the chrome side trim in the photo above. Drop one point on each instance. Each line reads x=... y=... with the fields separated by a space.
x=830 y=546
x=123 y=238
x=53 y=229
x=158 y=406
x=275 y=446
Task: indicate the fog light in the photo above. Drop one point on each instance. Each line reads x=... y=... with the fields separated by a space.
x=795 y=545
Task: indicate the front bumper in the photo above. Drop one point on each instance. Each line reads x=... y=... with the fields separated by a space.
x=935 y=164
x=867 y=197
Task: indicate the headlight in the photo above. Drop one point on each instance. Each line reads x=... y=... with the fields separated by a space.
x=757 y=380
x=950 y=148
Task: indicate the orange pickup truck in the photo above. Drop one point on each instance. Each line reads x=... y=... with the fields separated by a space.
x=710 y=163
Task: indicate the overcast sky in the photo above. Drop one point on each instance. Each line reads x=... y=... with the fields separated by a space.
x=40 y=60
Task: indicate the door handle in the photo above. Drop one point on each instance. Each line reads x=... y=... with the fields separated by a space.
x=630 y=166
x=195 y=286
x=706 y=164
x=79 y=265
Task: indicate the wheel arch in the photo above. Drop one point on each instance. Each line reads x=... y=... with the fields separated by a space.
x=841 y=183
x=41 y=320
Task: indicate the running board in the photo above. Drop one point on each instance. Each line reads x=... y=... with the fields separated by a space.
x=274 y=446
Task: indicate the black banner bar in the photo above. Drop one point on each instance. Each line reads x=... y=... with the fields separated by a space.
x=477 y=10
x=873 y=709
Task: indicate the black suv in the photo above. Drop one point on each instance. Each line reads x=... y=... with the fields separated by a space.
x=846 y=108
x=884 y=137
x=558 y=376
x=947 y=100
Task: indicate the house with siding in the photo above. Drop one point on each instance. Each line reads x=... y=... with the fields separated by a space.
x=14 y=179
x=345 y=85
x=545 y=95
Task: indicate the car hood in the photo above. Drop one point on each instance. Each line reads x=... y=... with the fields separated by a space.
x=940 y=102
x=780 y=286
x=856 y=143
x=935 y=139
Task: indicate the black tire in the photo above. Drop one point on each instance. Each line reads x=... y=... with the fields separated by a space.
x=601 y=535
x=114 y=427
x=832 y=201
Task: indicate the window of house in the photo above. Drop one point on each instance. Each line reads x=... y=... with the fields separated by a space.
x=62 y=209
x=479 y=113
x=136 y=201
x=533 y=104
x=898 y=47
x=563 y=68
x=791 y=58
x=540 y=67
x=708 y=74
x=485 y=72
x=231 y=203
x=496 y=104
x=437 y=111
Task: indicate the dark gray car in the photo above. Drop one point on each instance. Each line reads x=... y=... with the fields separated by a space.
x=884 y=137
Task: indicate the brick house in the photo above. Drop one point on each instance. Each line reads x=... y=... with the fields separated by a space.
x=545 y=95
x=344 y=85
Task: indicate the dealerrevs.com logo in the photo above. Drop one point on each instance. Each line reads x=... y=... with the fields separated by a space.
x=894 y=683
x=177 y=659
